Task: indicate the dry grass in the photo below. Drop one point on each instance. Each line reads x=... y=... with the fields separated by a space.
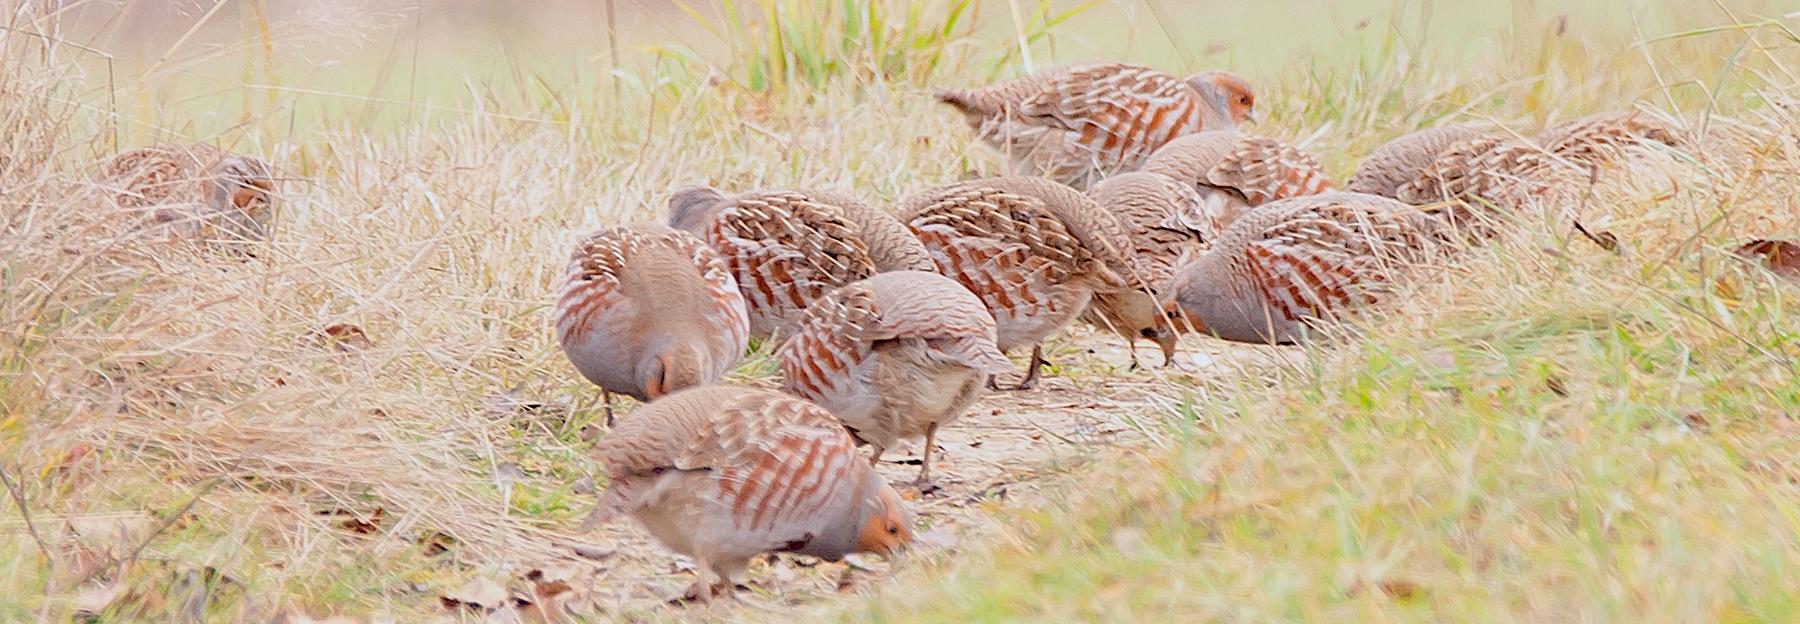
x=1547 y=432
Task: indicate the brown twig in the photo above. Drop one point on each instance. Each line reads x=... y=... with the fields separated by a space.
x=18 y=497
x=1605 y=240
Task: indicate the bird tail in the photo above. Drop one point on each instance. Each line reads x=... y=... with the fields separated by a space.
x=964 y=101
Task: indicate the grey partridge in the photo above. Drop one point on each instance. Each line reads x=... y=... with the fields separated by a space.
x=724 y=474
x=1236 y=172
x=1166 y=222
x=787 y=248
x=1402 y=159
x=1287 y=265
x=648 y=310
x=196 y=191
x=1034 y=251
x=894 y=357
x=1079 y=123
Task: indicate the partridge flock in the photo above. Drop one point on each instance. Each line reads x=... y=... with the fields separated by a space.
x=1136 y=205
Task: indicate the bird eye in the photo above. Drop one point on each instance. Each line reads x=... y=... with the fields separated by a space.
x=893 y=529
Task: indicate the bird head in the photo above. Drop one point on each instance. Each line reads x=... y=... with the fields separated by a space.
x=886 y=522
x=242 y=192
x=692 y=207
x=1228 y=94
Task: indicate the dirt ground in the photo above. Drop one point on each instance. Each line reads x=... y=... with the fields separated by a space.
x=998 y=456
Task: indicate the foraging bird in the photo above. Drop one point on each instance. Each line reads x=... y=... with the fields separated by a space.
x=1606 y=137
x=647 y=310
x=1234 y=173
x=723 y=474
x=1166 y=221
x=894 y=356
x=1034 y=251
x=1402 y=159
x=1511 y=173
x=787 y=248
x=1289 y=264
x=196 y=191
x=1492 y=171
x=1077 y=124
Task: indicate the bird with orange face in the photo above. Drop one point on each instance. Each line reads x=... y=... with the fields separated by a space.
x=1078 y=124
x=724 y=474
x=195 y=191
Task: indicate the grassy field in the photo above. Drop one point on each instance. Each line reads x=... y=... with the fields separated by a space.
x=370 y=418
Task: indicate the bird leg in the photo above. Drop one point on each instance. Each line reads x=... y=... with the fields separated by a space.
x=1131 y=344
x=924 y=481
x=606 y=397
x=1031 y=370
x=704 y=587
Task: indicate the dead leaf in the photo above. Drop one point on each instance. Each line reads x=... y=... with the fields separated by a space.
x=436 y=543
x=1555 y=383
x=342 y=338
x=1781 y=257
x=358 y=523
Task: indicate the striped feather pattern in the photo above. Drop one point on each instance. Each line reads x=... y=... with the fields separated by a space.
x=1165 y=220
x=1255 y=169
x=628 y=286
x=1010 y=251
x=775 y=468
x=200 y=190
x=1402 y=159
x=786 y=250
x=1265 y=170
x=1071 y=123
x=893 y=354
x=1606 y=137
x=1302 y=260
x=1507 y=174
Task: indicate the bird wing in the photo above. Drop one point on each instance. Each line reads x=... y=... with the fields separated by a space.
x=1265 y=170
x=785 y=249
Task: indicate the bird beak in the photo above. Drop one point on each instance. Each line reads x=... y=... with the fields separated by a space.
x=1250 y=116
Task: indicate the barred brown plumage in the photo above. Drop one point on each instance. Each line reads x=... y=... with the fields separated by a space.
x=194 y=190
x=1079 y=123
x=1511 y=174
x=1165 y=222
x=1402 y=159
x=723 y=474
x=1291 y=263
x=648 y=310
x=1605 y=137
x=894 y=356
x=1234 y=172
x=1035 y=252
x=789 y=247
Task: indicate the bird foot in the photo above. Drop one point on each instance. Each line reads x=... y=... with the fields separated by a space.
x=926 y=487
x=701 y=594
